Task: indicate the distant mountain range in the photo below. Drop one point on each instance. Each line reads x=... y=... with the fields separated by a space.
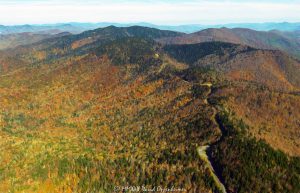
x=13 y=40
x=74 y=27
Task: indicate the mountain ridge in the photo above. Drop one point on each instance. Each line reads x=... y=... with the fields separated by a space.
x=238 y=60
x=256 y=39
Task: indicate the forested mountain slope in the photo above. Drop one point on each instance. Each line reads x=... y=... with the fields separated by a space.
x=112 y=107
x=276 y=40
x=272 y=68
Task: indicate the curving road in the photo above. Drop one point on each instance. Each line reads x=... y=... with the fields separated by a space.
x=202 y=150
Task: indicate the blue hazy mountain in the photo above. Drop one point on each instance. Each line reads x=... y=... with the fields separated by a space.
x=75 y=27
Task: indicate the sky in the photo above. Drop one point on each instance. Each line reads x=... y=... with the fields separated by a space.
x=163 y=12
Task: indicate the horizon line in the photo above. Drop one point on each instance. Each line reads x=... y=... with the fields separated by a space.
x=150 y=23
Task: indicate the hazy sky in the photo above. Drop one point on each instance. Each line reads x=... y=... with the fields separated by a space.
x=153 y=11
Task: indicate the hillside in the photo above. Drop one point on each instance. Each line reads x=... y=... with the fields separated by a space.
x=111 y=107
x=285 y=41
x=272 y=68
x=261 y=87
x=89 y=125
x=271 y=116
